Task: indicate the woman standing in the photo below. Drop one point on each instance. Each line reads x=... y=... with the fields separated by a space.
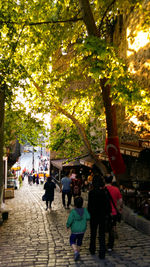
x=49 y=187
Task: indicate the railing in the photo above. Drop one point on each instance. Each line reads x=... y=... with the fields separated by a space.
x=138 y=200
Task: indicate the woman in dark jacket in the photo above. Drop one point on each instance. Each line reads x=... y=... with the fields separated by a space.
x=98 y=207
x=49 y=187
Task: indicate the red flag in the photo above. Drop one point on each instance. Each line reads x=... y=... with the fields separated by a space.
x=115 y=158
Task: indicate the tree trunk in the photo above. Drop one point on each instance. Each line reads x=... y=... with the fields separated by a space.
x=110 y=110
x=2 y=104
x=88 y=17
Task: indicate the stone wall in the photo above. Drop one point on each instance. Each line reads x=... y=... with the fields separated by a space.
x=138 y=46
x=132 y=36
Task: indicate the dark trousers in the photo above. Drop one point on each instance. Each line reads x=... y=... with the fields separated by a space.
x=69 y=195
x=100 y=224
x=50 y=203
x=111 y=236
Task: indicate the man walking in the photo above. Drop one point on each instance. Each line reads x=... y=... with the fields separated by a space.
x=65 y=188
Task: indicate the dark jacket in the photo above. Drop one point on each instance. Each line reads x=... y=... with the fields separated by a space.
x=98 y=203
x=49 y=190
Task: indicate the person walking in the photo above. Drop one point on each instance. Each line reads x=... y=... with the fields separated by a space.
x=77 y=221
x=65 y=188
x=49 y=187
x=115 y=199
x=37 y=179
x=30 y=179
x=76 y=187
x=89 y=179
x=99 y=207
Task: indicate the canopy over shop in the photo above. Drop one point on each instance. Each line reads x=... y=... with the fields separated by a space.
x=80 y=166
x=59 y=166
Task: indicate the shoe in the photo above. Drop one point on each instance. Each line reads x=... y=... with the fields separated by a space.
x=46 y=208
x=68 y=208
x=64 y=206
x=109 y=249
x=76 y=255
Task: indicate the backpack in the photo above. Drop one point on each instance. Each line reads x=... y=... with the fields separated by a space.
x=76 y=190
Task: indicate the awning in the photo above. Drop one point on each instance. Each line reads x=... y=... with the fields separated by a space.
x=61 y=163
x=87 y=161
x=18 y=168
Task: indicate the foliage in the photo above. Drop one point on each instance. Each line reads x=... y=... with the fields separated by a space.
x=104 y=63
x=21 y=126
x=64 y=139
x=45 y=43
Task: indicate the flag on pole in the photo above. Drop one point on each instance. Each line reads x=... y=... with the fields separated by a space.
x=113 y=152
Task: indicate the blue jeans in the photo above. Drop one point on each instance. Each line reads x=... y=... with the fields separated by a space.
x=76 y=239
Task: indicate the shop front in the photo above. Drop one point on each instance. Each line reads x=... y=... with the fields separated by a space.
x=60 y=166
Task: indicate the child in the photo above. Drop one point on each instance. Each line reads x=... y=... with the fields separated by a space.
x=77 y=221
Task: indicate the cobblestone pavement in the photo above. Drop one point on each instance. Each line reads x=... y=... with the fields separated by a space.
x=34 y=237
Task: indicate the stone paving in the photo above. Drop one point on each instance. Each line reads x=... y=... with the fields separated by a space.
x=34 y=237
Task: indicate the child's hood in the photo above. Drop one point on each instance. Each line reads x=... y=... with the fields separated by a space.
x=80 y=211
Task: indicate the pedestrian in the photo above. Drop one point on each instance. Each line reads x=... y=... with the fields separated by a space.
x=116 y=197
x=34 y=176
x=99 y=208
x=77 y=221
x=65 y=188
x=37 y=179
x=76 y=187
x=49 y=187
x=30 y=179
x=89 y=179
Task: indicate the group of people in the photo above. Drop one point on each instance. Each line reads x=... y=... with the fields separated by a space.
x=103 y=200
x=33 y=178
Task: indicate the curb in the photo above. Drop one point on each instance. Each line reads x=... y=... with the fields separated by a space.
x=136 y=221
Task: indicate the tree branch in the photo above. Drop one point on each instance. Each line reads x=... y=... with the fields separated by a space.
x=74 y=19
x=15 y=46
x=99 y=28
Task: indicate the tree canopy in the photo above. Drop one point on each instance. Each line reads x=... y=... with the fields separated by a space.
x=47 y=51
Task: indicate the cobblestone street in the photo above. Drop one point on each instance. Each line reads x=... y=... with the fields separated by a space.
x=34 y=237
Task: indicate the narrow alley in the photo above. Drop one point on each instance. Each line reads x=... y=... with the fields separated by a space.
x=33 y=236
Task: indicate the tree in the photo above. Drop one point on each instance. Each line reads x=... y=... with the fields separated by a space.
x=9 y=38
x=71 y=31
x=20 y=126
x=48 y=27
x=12 y=75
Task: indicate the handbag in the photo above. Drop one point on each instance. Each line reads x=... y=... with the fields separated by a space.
x=44 y=197
x=118 y=215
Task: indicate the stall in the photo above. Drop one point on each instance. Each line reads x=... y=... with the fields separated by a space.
x=59 y=166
